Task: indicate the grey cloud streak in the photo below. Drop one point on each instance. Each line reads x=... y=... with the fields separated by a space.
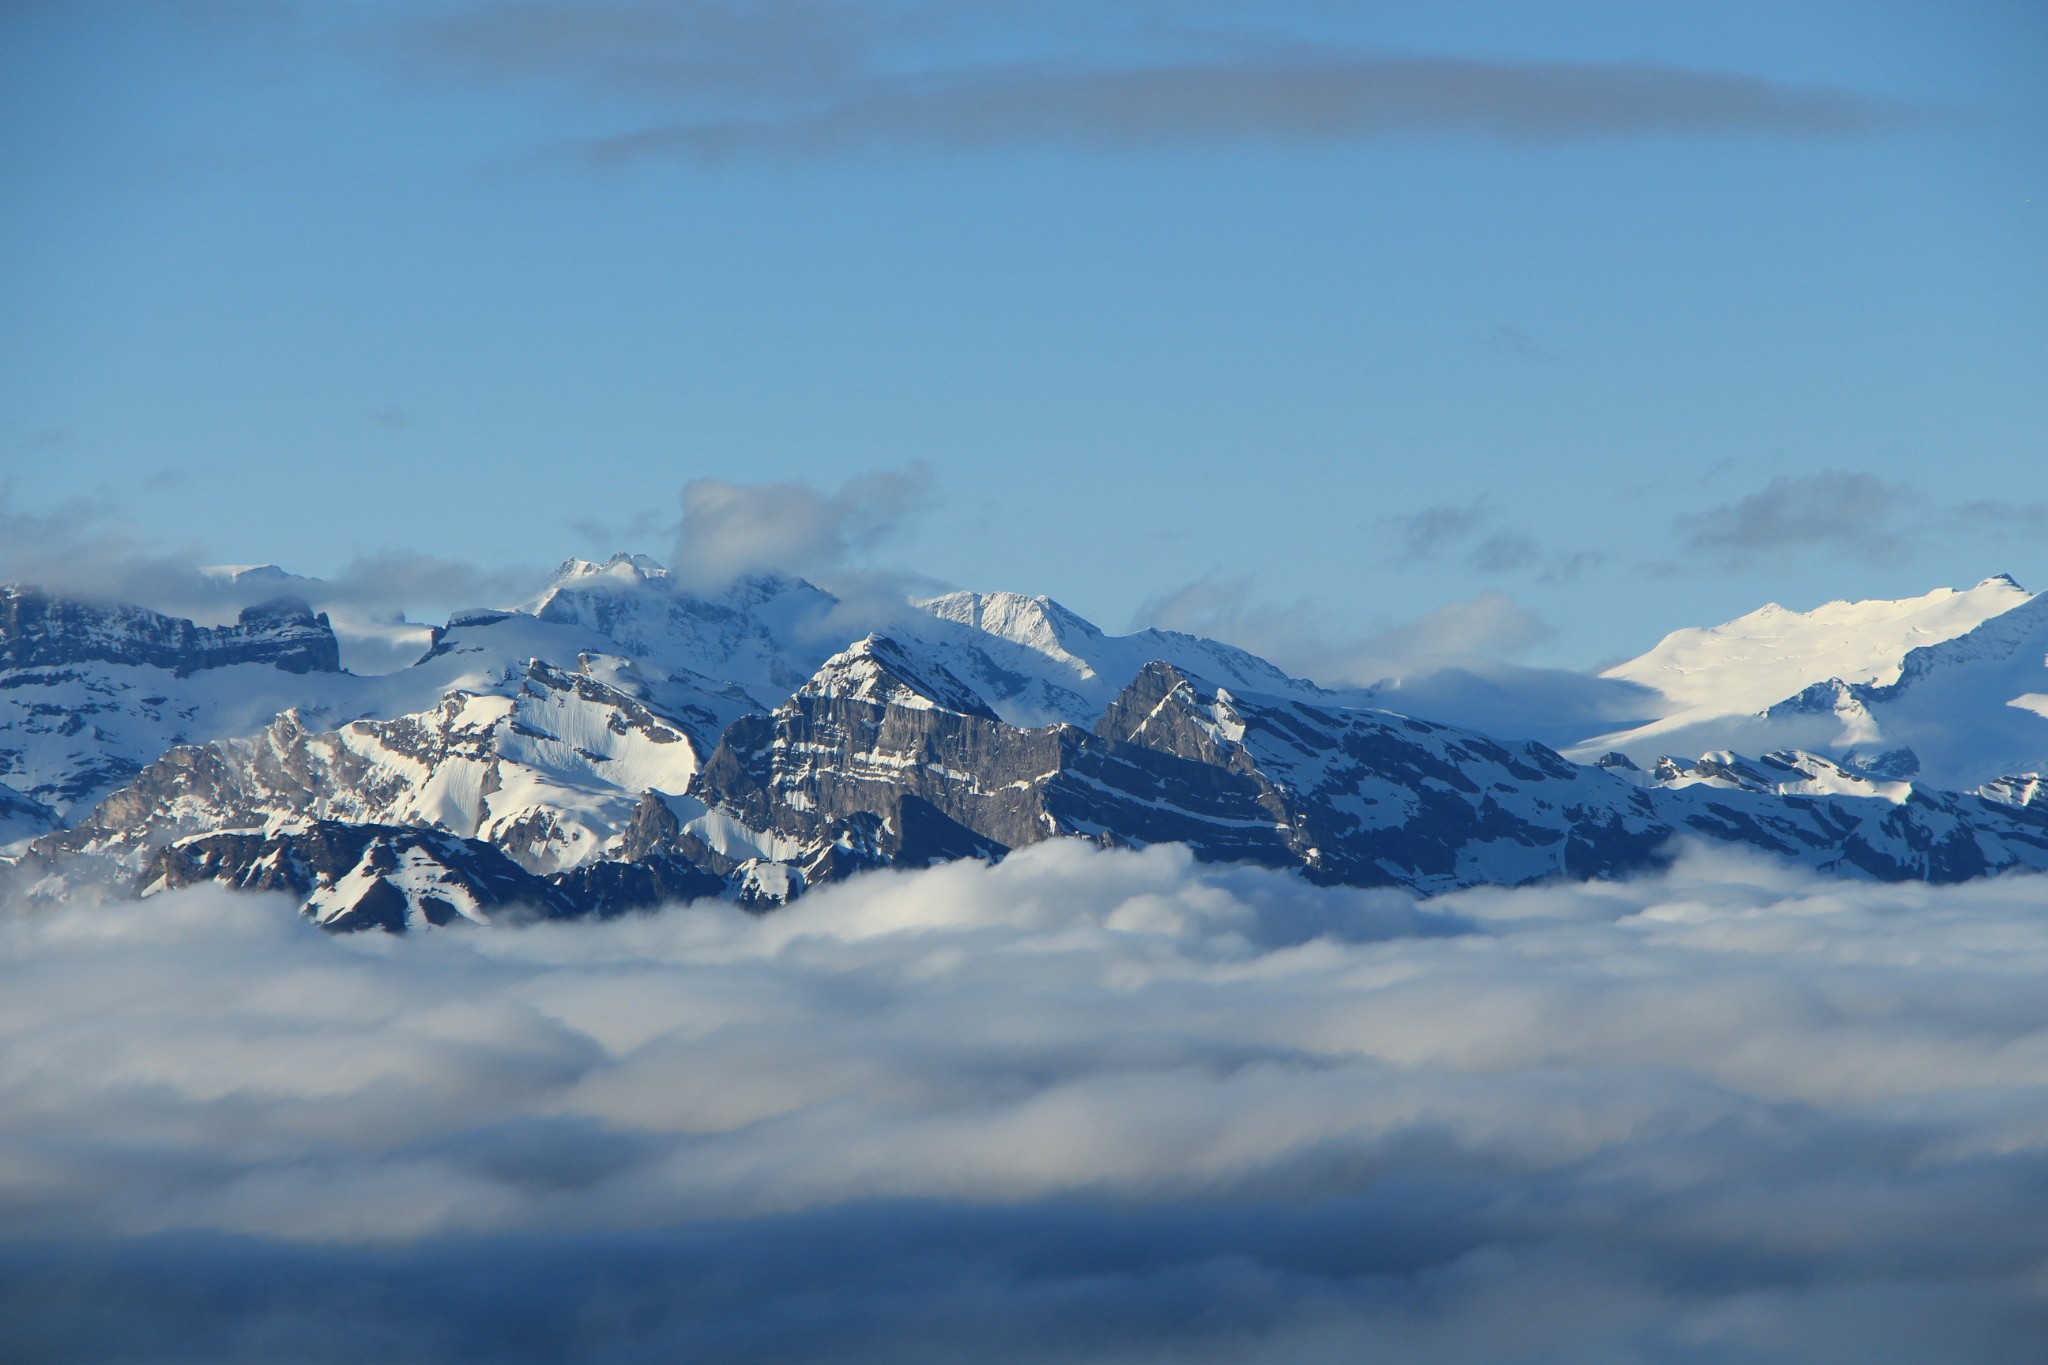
x=1468 y=531
x=1851 y=513
x=1311 y=99
x=1838 y=509
x=1082 y=1105
x=714 y=80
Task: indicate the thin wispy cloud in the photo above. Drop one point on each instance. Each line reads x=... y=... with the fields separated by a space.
x=90 y=551
x=1476 y=631
x=730 y=529
x=1300 y=101
x=1847 y=514
x=1430 y=530
x=714 y=80
x=1470 y=533
x=1834 y=510
x=1515 y=343
x=1457 y=662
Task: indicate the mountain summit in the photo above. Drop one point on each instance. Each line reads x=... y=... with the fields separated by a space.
x=1949 y=687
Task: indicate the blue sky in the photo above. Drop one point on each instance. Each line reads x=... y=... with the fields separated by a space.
x=1569 y=323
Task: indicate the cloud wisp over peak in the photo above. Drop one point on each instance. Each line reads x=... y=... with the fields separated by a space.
x=731 y=529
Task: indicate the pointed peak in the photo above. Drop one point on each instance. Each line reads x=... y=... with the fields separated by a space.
x=1163 y=701
x=622 y=568
x=879 y=669
x=1161 y=676
x=621 y=573
x=1038 y=623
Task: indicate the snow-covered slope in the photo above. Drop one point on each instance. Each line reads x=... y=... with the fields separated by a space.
x=1746 y=664
x=766 y=633
x=1942 y=687
x=550 y=773
x=1035 y=662
x=1960 y=714
x=1028 y=658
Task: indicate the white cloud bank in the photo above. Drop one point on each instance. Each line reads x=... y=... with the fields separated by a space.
x=1078 y=1106
x=730 y=529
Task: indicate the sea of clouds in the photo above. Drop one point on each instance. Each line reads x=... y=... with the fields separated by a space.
x=1080 y=1106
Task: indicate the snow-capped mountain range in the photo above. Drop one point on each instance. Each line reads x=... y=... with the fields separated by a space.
x=620 y=741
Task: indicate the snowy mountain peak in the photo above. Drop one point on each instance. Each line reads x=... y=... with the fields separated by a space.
x=2004 y=637
x=1196 y=717
x=1948 y=689
x=883 y=671
x=1747 y=664
x=1037 y=623
x=622 y=571
x=621 y=568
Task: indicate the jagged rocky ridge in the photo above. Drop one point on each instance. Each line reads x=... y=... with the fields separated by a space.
x=621 y=743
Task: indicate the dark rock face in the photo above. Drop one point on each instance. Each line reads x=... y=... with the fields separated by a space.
x=605 y=889
x=363 y=876
x=1371 y=798
x=938 y=776
x=40 y=631
x=394 y=877
x=858 y=760
x=1354 y=797
x=1357 y=797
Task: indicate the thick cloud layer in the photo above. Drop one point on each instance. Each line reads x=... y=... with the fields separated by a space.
x=1079 y=1106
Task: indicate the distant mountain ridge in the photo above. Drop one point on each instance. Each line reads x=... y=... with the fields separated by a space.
x=620 y=741
x=1951 y=687
x=39 y=630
